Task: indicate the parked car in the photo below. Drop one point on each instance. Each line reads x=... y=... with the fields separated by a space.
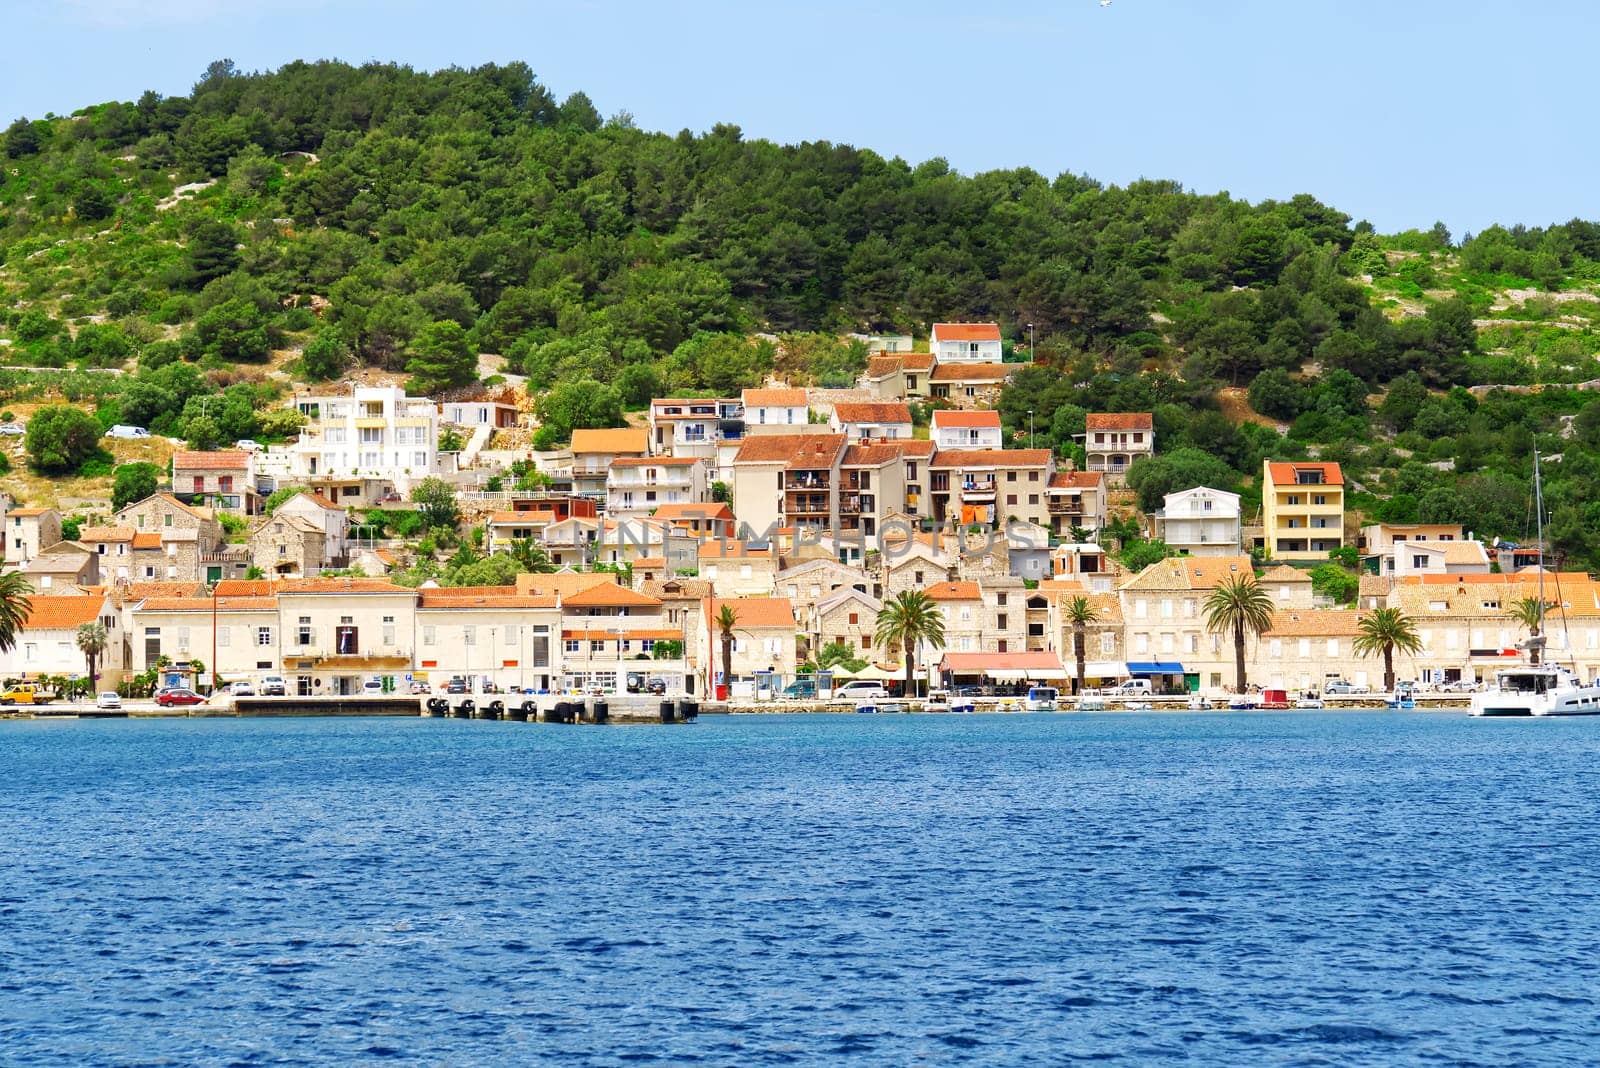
x=1337 y=686
x=122 y=430
x=274 y=686
x=178 y=696
x=420 y=687
x=457 y=684
x=1458 y=686
x=241 y=689
x=12 y=429
x=851 y=691
x=1131 y=687
x=108 y=699
x=656 y=685
x=247 y=445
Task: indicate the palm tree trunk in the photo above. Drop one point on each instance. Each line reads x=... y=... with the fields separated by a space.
x=1238 y=654
x=1533 y=650
x=906 y=646
x=727 y=665
x=1388 y=669
x=1077 y=650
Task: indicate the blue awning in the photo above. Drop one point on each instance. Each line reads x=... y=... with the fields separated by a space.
x=1156 y=667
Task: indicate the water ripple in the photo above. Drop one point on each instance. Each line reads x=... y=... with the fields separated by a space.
x=1342 y=889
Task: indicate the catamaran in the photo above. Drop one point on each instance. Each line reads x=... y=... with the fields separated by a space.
x=1537 y=689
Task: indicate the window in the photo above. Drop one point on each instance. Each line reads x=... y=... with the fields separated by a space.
x=199 y=483
x=1333 y=646
x=1000 y=621
x=1011 y=498
x=1275 y=647
x=597 y=647
x=303 y=631
x=1305 y=647
x=855 y=618
x=429 y=635
x=1419 y=562
x=263 y=635
x=388 y=630
x=224 y=635
x=1033 y=498
x=570 y=646
x=1141 y=643
x=167 y=520
x=916 y=576
x=346 y=641
x=1108 y=643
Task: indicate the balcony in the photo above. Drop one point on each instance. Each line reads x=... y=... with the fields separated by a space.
x=1067 y=506
x=798 y=504
x=808 y=480
x=977 y=490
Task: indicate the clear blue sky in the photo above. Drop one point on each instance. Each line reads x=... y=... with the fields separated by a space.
x=1398 y=111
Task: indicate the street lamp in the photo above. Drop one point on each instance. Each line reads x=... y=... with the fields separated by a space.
x=1030 y=428
x=1033 y=354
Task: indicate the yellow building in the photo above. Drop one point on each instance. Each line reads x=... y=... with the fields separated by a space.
x=1302 y=509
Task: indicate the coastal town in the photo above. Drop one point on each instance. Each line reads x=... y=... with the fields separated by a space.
x=731 y=547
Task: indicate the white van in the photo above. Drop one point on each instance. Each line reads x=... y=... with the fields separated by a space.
x=1132 y=688
x=850 y=691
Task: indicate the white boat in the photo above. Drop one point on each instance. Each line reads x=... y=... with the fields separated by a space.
x=963 y=706
x=1537 y=689
x=1545 y=690
x=1040 y=699
x=1091 y=703
x=937 y=701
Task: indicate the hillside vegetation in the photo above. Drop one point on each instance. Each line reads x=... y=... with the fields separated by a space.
x=303 y=224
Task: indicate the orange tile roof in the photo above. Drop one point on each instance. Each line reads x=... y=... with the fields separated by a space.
x=565 y=583
x=872 y=412
x=62 y=613
x=650 y=562
x=341 y=586
x=729 y=549
x=875 y=454
x=883 y=366
x=319 y=500
x=112 y=534
x=501 y=597
x=139 y=591
x=29 y=511
x=1314 y=623
x=774 y=398
x=1283 y=474
x=916 y=361
x=951 y=417
x=246 y=587
x=1076 y=479
x=203 y=604
x=147 y=541
x=220 y=460
x=754 y=613
x=609 y=596
x=971 y=372
x=967 y=331
x=798 y=450
x=1119 y=421
x=954 y=591
x=991 y=458
x=914 y=448
x=619 y=440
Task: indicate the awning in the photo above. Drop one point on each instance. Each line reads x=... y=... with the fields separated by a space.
x=1102 y=669
x=1155 y=667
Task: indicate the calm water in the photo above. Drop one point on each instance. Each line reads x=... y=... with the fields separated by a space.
x=1298 y=889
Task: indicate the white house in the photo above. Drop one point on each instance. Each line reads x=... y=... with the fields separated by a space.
x=774 y=411
x=48 y=641
x=328 y=517
x=956 y=429
x=966 y=343
x=871 y=420
x=373 y=432
x=637 y=485
x=1200 y=521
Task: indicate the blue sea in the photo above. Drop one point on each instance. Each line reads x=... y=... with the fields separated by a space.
x=1298 y=888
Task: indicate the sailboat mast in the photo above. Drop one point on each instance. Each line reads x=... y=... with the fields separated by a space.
x=1538 y=519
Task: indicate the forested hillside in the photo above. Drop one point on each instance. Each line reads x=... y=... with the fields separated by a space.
x=299 y=224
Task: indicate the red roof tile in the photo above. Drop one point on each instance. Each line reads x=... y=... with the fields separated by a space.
x=797 y=450
x=950 y=417
x=991 y=458
x=872 y=412
x=774 y=398
x=966 y=331
x=971 y=372
x=220 y=460
x=62 y=613
x=1119 y=421
x=1283 y=474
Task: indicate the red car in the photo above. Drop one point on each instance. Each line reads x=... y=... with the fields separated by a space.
x=168 y=698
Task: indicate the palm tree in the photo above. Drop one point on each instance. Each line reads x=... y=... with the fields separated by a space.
x=92 y=643
x=726 y=621
x=15 y=608
x=1384 y=631
x=1529 y=611
x=907 y=619
x=1080 y=613
x=1238 y=605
